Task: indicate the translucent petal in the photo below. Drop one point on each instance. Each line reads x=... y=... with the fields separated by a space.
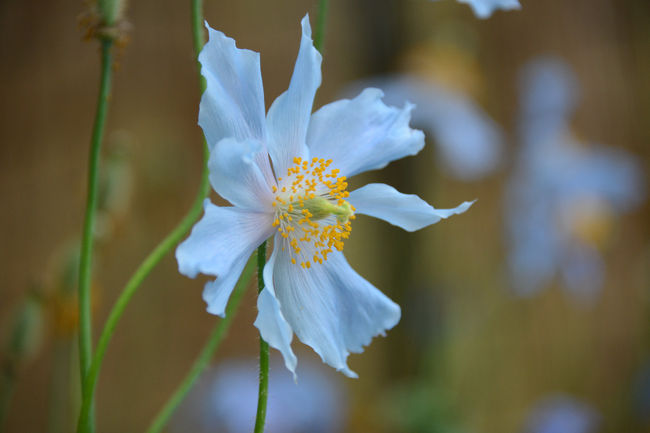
x=219 y=245
x=236 y=175
x=288 y=117
x=363 y=133
x=468 y=142
x=407 y=211
x=330 y=307
x=216 y=293
x=270 y=321
x=233 y=103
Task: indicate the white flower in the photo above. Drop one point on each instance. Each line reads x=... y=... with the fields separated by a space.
x=285 y=175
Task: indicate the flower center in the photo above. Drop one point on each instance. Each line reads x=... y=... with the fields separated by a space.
x=311 y=213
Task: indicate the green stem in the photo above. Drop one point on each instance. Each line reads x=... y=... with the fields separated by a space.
x=85 y=275
x=166 y=245
x=129 y=290
x=264 y=350
x=198 y=37
x=319 y=34
x=207 y=352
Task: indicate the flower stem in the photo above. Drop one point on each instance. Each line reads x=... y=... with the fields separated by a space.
x=90 y=375
x=264 y=350
x=319 y=34
x=207 y=352
x=129 y=290
x=85 y=314
x=198 y=37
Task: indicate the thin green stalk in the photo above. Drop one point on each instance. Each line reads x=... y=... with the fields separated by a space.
x=198 y=37
x=207 y=352
x=319 y=34
x=85 y=264
x=264 y=350
x=110 y=10
x=166 y=245
x=129 y=290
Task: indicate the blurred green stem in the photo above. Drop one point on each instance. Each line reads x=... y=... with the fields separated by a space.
x=319 y=34
x=264 y=350
x=85 y=264
x=207 y=352
x=109 y=10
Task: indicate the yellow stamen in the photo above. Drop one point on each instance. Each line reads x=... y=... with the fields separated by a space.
x=315 y=195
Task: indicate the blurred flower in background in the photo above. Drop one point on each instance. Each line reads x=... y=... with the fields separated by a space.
x=565 y=195
x=225 y=400
x=484 y=8
x=562 y=414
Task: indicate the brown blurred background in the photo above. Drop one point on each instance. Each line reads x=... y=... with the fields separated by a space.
x=489 y=356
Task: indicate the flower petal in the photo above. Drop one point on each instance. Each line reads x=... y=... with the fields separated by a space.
x=288 y=117
x=582 y=269
x=236 y=175
x=233 y=103
x=216 y=293
x=363 y=133
x=407 y=211
x=484 y=8
x=270 y=321
x=330 y=307
x=468 y=142
x=219 y=245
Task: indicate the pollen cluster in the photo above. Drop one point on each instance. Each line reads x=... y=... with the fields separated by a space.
x=311 y=212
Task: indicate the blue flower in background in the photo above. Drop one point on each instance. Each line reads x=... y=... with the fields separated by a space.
x=564 y=195
x=301 y=200
x=469 y=143
x=562 y=414
x=225 y=400
x=484 y=8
